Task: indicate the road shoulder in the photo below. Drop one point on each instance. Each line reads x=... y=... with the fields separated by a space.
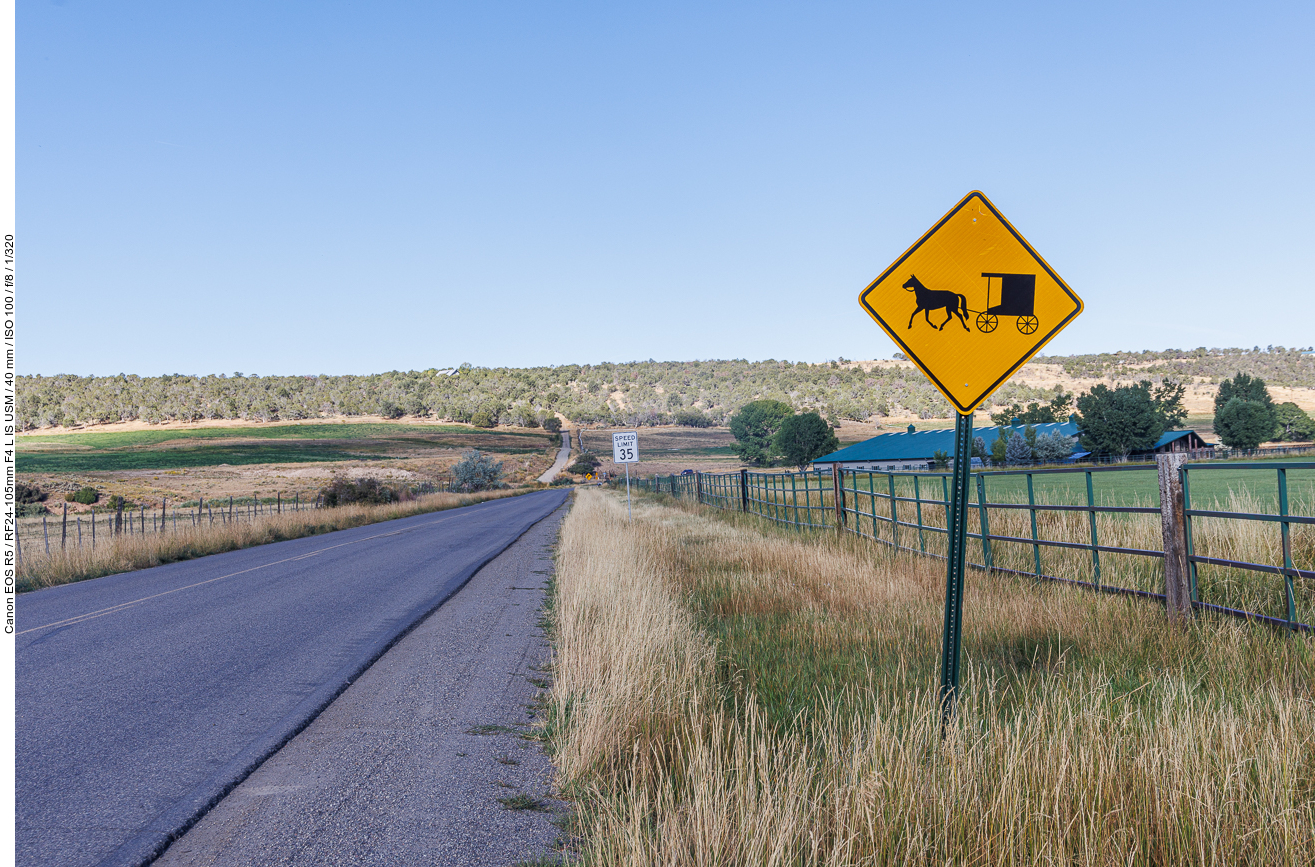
x=426 y=758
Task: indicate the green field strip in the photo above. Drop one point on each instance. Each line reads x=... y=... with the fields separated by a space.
x=363 y=430
x=168 y=459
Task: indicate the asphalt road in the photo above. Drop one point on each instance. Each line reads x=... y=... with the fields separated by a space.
x=143 y=698
x=563 y=455
x=415 y=762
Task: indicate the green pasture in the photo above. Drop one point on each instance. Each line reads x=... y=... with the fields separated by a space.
x=180 y=458
x=311 y=443
x=362 y=430
x=1209 y=485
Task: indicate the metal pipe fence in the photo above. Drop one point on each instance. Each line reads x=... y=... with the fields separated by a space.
x=1051 y=525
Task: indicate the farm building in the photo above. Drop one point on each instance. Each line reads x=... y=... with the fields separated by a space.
x=915 y=449
x=1177 y=441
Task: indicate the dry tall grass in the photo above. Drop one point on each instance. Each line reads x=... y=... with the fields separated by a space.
x=1090 y=732
x=125 y=553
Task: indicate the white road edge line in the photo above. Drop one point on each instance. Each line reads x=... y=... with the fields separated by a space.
x=122 y=605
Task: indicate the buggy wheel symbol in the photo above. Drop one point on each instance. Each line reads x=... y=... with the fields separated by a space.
x=986 y=322
x=1027 y=324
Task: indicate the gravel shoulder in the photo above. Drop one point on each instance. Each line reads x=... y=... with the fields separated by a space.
x=408 y=765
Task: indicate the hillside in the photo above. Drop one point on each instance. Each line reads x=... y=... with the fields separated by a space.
x=631 y=393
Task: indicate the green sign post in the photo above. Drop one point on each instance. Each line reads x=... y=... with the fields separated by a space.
x=957 y=524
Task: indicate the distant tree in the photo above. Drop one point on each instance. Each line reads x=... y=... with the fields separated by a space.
x=1129 y=418
x=1036 y=413
x=753 y=428
x=484 y=417
x=1053 y=447
x=979 y=448
x=803 y=438
x=388 y=409
x=1017 y=450
x=1244 y=424
x=1239 y=427
x=477 y=472
x=552 y=424
x=1000 y=445
x=1293 y=424
x=691 y=418
x=1243 y=387
x=940 y=458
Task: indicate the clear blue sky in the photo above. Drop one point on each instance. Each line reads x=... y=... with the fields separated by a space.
x=351 y=188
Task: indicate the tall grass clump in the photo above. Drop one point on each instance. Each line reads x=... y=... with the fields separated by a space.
x=729 y=692
x=124 y=553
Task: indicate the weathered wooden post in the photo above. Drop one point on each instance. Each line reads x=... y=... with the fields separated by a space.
x=838 y=490
x=698 y=487
x=118 y=517
x=744 y=490
x=45 y=533
x=63 y=529
x=1173 y=526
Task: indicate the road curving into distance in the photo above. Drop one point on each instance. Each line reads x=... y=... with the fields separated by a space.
x=563 y=455
x=143 y=698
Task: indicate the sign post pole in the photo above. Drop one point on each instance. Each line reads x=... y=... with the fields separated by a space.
x=628 y=515
x=957 y=524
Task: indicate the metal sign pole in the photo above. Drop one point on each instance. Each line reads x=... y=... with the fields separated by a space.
x=628 y=516
x=957 y=524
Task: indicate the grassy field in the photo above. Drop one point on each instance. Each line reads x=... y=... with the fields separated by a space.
x=728 y=692
x=184 y=463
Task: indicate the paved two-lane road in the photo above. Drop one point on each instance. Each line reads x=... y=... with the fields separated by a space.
x=143 y=697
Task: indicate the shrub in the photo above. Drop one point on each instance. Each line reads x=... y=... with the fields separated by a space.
x=483 y=418
x=477 y=472
x=561 y=480
x=585 y=463
x=116 y=502
x=86 y=496
x=691 y=418
x=552 y=424
x=342 y=491
x=26 y=494
x=388 y=409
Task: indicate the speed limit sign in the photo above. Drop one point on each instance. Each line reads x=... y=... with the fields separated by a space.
x=625 y=448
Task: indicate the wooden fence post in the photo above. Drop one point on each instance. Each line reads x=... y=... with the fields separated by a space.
x=63 y=529
x=838 y=486
x=698 y=487
x=744 y=490
x=1173 y=525
x=118 y=518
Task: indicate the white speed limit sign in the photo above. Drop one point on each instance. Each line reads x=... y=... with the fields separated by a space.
x=625 y=448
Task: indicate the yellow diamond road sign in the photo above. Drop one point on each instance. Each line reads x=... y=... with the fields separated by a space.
x=970 y=302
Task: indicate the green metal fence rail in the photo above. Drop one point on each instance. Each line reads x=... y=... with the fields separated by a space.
x=906 y=510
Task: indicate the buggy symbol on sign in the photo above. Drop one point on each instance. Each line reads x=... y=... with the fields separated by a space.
x=970 y=302
x=625 y=448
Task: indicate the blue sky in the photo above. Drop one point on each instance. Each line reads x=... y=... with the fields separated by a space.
x=351 y=188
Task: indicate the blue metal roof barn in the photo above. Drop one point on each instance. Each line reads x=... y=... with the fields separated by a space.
x=912 y=447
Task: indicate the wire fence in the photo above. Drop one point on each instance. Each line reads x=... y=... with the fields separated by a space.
x=1251 y=554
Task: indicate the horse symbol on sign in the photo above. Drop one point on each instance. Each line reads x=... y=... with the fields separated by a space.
x=952 y=303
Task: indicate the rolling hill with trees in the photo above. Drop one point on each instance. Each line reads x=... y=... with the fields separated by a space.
x=694 y=393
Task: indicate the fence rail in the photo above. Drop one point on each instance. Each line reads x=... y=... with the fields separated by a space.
x=1051 y=525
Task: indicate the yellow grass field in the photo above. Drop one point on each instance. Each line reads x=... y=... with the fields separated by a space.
x=730 y=693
